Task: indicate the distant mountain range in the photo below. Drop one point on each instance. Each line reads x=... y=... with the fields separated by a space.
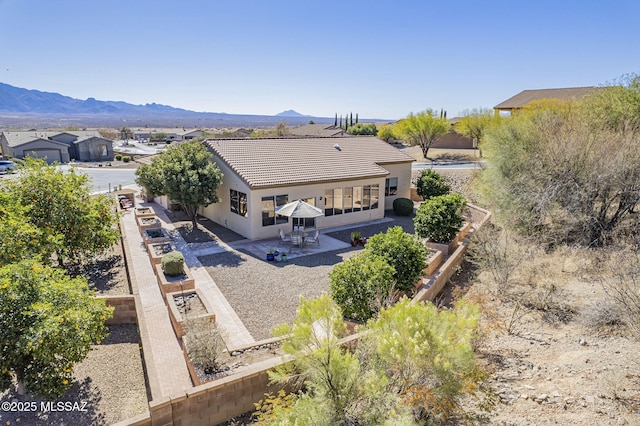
x=33 y=108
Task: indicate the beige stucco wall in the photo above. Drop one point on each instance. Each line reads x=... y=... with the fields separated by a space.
x=251 y=226
x=403 y=172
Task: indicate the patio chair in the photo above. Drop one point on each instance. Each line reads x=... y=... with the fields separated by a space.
x=284 y=238
x=297 y=241
x=313 y=238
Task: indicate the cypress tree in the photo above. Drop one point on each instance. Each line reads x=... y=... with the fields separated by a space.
x=351 y=119
x=341 y=121
x=335 y=122
x=356 y=118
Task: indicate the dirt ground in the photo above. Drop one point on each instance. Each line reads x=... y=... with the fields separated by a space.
x=552 y=367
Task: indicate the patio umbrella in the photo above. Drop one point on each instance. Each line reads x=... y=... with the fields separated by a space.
x=299 y=209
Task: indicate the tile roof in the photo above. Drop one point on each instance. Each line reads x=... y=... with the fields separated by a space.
x=526 y=96
x=15 y=139
x=265 y=163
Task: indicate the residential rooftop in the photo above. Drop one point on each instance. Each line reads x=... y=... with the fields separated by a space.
x=265 y=163
x=526 y=96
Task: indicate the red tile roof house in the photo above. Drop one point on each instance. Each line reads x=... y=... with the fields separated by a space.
x=352 y=180
x=519 y=101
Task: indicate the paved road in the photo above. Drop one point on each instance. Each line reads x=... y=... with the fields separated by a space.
x=105 y=178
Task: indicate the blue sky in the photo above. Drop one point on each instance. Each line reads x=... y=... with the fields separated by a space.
x=380 y=59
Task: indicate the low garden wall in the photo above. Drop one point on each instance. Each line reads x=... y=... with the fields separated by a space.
x=215 y=402
x=124 y=312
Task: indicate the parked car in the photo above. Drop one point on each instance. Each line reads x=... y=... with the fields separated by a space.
x=7 y=166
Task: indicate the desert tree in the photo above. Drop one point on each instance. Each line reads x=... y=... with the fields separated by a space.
x=386 y=133
x=422 y=129
x=475 y=123
x=48 y=322
x=427 y=355
x=72 y=223
x=554 y=174
x=19 y=238
x=186 y=174
x=337 y=390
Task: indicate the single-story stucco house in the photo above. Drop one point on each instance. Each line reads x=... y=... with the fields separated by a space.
x=57 y=146
x=352 y=179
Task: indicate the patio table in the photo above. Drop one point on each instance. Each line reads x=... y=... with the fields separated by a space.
x=297 y=238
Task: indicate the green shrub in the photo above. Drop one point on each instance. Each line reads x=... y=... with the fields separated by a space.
x=118 y=157
x=431 y=184
x=362 y=285
x=403 y=252
x=173 y=263
x=403 y=206
x=439 y=218
x=126 y=158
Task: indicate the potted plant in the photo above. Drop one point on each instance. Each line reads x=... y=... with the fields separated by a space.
x=355 y=238
x=283 y=257
x=271 y=255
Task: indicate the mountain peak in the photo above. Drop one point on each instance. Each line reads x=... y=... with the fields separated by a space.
x=290 y=113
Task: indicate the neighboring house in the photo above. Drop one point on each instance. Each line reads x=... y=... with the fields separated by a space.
x=57 y=146
x=453 y=139
x=351 y=179
x=235 y=133
x=517 y=102
x=170 y=134
x=318 y=130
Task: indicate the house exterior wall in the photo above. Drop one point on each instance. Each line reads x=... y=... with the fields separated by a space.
x=89 y=150
x=403 y=172
x=7 y=151
x=251 y=226
x=54 y=151
x=453 y=140
x=220 y=212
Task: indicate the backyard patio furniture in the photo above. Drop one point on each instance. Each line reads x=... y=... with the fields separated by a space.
x=314 y=238
x=284 y=238
x=297 y=240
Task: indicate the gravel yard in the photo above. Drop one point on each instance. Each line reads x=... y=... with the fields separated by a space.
x=106 y=273
x=110 y=381
x=265 y=294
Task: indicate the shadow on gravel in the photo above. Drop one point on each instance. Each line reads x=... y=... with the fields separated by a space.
x=230 y=259
x=79 y=406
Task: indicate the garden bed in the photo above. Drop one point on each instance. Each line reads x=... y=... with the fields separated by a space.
x=155 y=235
x=178 y=283
x=157 y=250
x=189 y=304
x=147 y=222
x=144 y=212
